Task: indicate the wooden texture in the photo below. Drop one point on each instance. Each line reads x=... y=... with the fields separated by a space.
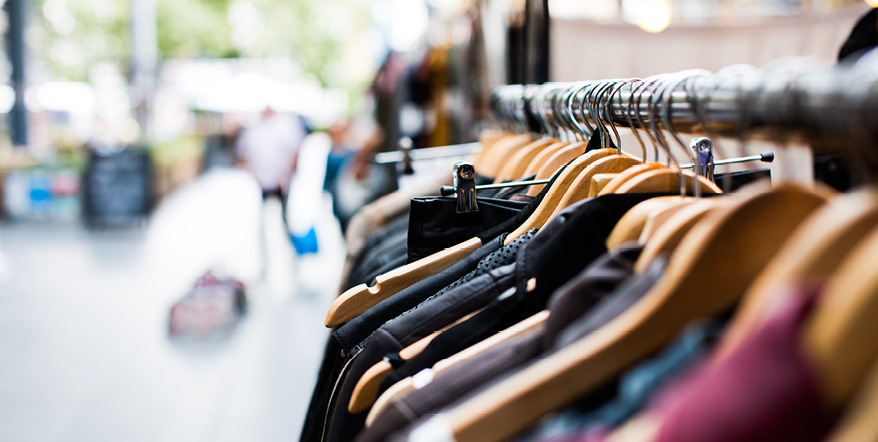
x=357 y=300
x=540 y=159
x=656 y=218
x=839 y=337
x=599 y=181
x=812 y=253
x=627 y=174
x=629 y=227
x=491 y=161
x=367 y=386
x=668 y=237
x=554 y=162
x=530 y=325
x=514 y=166
x=665 y=180
x=713 y=266
x=578 y=190
x=556 y=192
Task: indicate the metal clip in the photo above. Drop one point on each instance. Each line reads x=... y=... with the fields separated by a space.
x=703 y=150
x=465 y=185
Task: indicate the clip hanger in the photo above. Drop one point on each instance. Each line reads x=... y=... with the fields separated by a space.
x=465 y=186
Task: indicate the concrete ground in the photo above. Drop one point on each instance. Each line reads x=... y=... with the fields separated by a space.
x=83 y=323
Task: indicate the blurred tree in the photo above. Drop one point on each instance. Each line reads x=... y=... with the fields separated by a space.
x=79 y=33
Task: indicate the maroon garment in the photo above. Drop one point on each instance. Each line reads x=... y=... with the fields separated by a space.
x=763 y=391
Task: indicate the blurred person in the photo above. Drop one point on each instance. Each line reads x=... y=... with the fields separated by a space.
x=268 y=148
x=340 y=154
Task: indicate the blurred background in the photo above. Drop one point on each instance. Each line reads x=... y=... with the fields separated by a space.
x=120 y=128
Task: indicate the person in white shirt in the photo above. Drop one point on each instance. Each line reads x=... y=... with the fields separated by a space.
x=268 y=148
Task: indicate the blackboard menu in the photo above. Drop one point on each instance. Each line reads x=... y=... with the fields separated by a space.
x=117 y=187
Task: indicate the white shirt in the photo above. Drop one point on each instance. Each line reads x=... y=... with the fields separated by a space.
x=269 y=146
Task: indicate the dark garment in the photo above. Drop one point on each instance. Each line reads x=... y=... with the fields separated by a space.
x=388 y=245
x=503 y=256
x=597 y=281
x=508 y=193
x=493 y=274
x=863 y=37
x=732 y=181
x=571 y=241
x=317 y=415
x=764 y=390
x=359 y=328
x=523 y=197
x=605 y=279
x=582 y=227
x=434 y=223
x=392 y=337
x=454 y=383
x=341 y=352
x=337 y=355
x=589 y=287
x=634 y=389
x=627 y=294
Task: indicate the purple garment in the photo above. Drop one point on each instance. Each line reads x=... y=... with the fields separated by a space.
x=763 y=391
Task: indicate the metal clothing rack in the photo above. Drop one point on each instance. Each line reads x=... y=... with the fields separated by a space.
x=790 y=101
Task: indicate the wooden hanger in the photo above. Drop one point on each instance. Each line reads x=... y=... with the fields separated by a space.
x=599 y=181
x=710 y=270
x=554 y=162
x=554 y=194
x=515 y=165
x=578 y=190
x=356 y=300
x=489 y=138
x=367 y=386
x=627 y=174
x=534 y=166
x=526 y=327
x=492 y=161
x=839 y=336
x=665 y=180
x=631 y=224
x=858 y=422
x=657 y=218
x=813 y=251
x=668 y=237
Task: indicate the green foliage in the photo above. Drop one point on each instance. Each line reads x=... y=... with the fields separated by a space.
x=312 y=32
x=76 y=34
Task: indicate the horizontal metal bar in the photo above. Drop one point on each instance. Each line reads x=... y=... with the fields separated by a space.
x=449 y=190
x=429 y=153
x=831 y=108
x=766 y=157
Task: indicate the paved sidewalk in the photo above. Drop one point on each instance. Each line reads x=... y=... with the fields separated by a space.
x=83 y=324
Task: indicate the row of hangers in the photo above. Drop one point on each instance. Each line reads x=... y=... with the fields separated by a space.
x=737 y=248
x=508 y=155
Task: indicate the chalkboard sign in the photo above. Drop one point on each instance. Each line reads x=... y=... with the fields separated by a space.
x=117 y=188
